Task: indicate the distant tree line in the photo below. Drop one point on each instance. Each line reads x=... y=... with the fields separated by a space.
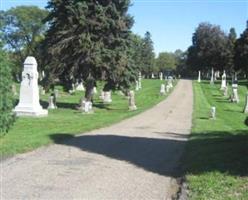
x=213 y=48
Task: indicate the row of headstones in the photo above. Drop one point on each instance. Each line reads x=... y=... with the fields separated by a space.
x=166 y=89
x=29 y=104
x=234 y=97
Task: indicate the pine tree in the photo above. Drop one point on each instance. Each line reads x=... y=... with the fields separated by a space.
x=6 y=97
x=89 y=39
x=148 y=55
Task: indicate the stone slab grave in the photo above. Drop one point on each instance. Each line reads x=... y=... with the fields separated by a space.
x=29 y=100
x=226 y=91
x=170 y=79
x=199 y=76
x=223 y=81
x=80 y=86
x=152 y=76
x=131 y=102
x=139 y=80
x=161 y=76
x=235 y=95
x=162 y=89
x=246 y=104
x=107 y=97
x=52 y=102
x=137 y=85
x=212 y=77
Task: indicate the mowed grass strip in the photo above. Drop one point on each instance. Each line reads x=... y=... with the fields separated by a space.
x=29 y=133
x=217 y=152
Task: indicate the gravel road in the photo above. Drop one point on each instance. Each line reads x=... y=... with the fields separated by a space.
x=138 y=158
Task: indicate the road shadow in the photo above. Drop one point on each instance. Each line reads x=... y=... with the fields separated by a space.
x=214 y=151
x=155 y=155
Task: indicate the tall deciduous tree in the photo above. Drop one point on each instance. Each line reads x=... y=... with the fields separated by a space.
x=241 y=52
x=22 y=31
x=166 y=61
x=89 y=39
x=230 y=52
x=209 y=48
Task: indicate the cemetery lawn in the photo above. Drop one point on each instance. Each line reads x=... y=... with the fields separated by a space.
x=216 y=159
x=30 y=133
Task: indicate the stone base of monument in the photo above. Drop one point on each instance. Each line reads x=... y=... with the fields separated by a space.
x=132 y=108
x=32 y=112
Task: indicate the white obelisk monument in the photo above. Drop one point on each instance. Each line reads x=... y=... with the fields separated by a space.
x=29 y=101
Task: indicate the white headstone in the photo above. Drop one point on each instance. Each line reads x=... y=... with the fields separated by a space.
x=235 y=95
x=246 y=104
x=162 y=89
x=215 y=76
x=94 y=90
x=161 y=76
x=29 y=101
x=139 y=82
x=131 y=96
x=167 y=88
x=73 y=87
x=223 y=81
x=213 y=112
x=107 y=97
x=137 y=85
x=43 y=74
x=212 y=77
x=199 y=76
x=56 y=93
x=86 y=106
x=80 y=87
x=226 y=91
x=170 y=79
x=153 y=76
x=218 y=74
x=52 y=103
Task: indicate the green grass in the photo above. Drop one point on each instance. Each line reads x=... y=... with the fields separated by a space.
x=30 y=133
x=217 y=152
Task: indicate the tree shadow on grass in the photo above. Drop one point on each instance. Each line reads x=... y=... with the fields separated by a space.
x=101 y=105
x=217 y=151
x=64 y=105
x=214 y=151
x=244 y=83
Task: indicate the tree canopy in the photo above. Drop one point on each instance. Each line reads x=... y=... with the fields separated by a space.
x=241 y=52
x=209 y=48
x=23 y=29
x=166 y=61
x=148 y=55
x=89 y=39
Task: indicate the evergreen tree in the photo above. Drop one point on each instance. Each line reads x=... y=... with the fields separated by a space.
x=148 y=55
x=89 y=39
x=6 y=97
